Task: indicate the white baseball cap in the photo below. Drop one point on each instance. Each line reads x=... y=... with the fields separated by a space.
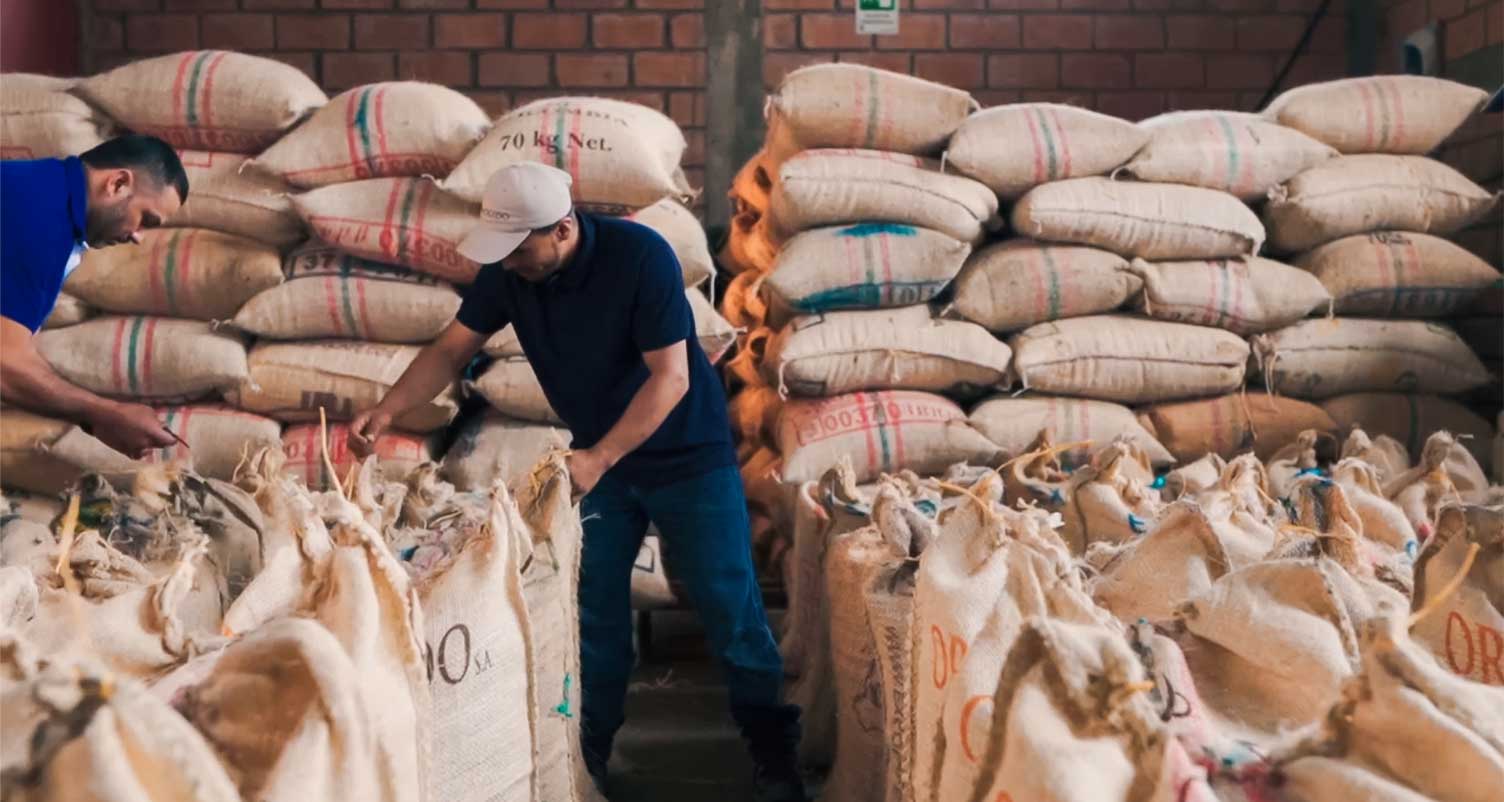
x=519 y=198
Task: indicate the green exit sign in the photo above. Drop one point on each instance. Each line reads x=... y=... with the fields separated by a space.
x=878 y=17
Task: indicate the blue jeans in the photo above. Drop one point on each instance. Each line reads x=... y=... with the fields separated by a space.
x=706 y=542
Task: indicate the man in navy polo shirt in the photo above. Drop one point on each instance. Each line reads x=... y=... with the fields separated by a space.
x=598 y=305
x=51 y=211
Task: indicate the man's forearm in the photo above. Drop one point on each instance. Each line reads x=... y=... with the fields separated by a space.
x=654 y=400
x=424 y=379
x=28 y=381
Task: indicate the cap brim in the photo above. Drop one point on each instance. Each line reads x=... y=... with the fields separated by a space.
x=486 y=245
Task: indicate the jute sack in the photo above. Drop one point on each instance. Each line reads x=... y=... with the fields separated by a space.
x=18 y=597
x=1379 y=114
x=32 y=507
x=750 y=246
x=146 y=357
x=880 y=432
x=400 y=454
x=1464 y=628
x=1103 y=502
x=835 y=187
x=1128 y=360
x=1323 y=358
x=621 y=156
x=400 y=221
x=862 y=266
x=1445 y=469
x=855 y=106
x=1014 y=148
x=492 y=446
x=844 y=352
x=750 y=186
x=206 y=99
x=1240 y=154
x=224 y=196
x=1382 y=519
x=1410 y=419
x=40 y=119
x=476 y=647
x=332 y=294
x=650 y=589
x=1017 y=283
x=216 y=438
x=178 y=272
x=511 y=387
x=1398 y=274
x=1242 y=296
x=743 y=306
x=1189 y=480
x=684 y=233
x=391 y=129
x=754 y=413
x=1014 y=423
x=889 y=598
x=1359 y=194
x=1160 y=222
x=68 y=311
x=1232 y=424
x=1325 y=521
x=25 y=464
x=1387 y=456
x=1295 y=459
x=291 y=382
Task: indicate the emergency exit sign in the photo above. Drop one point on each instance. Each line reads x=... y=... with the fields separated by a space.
x=877 y=17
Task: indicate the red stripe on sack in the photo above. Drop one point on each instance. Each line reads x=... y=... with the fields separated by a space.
x=1216 y=411
x=1039 y=162
x=1368 y=119
x=1041 y=293
x=185 y=264
x=1085 y=433
x=380 y=127
x=1397 y=132
x=1245 y=177
x=352 y=102
x=1385 y=265
x=365 y=316
x=331 y=298
x=154 y=269
x=1209 y=313
x=542 y=141
x=1063 y=144
x=574 y=151
x=387 y=242
x=310 y=460
x=206 y=93
x=179 y=449
x=1240 y=281
x=883 y=241
x=1209 y=158
x=179 y=110
x=117 y=367
x=425 y=191
x=147 y=351
x=1051 y=420
x=853 y=259
x=859 y=114
x=897 y=437
x=867 y=423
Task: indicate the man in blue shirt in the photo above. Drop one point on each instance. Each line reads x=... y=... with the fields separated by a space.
x=598 y=306
x=51 y=210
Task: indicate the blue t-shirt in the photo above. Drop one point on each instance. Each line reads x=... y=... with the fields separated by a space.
x=43 y=205
x=584 y=331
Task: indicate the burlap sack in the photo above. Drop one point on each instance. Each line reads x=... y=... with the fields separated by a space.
x=224 y=196
x=32 y=507
x=835 y=187
x=678 y=225
x=750 y=246
x=401 y=221
x=764 y=488
x=1232 y=424
x=884 y=349
x=392 y=129
x=511 y=387
x=206 y=99
x=68 y=311
x=1014 y=423
x=621 y=156
x=177 y=272
x=1242 y=296
x=1410 y=419
x=1378 y=114
x=1014 y=148
x=216 y=438
x=1240 y=154
x=1382 y=519
x=1359 y=194
x=40 y=119
x=1188 y=481
x=492 y=446
x=1295 y=459
x=1129 y=360
x=1104 y=503
x=1446 y=474
x=1151 y=221
x=400 y=454
x=855 y=106
x=1017 y=283
x=146 y=357
x=862 y=266
x=890 y=617
x=1324 y=358
x=751 y=186
x=650 y=589
x=754 y=413
x=25 y=464
x=291 y=382
x=1463 y=628
x=880 y=432
x=1398 y=274
x=1387 y=456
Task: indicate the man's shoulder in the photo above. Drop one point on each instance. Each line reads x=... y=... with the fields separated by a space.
x=27 y=172
x=620 y=232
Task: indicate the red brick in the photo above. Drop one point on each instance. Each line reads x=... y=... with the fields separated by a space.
x=434 y=5
x=1404 y=19
x=127 y=5
x=1132 y=106
x=892 y=62
x=1239 y=71
x=1240 y=6
x=1313 y=67
x=1151 y=5
x=1496 y=24
x=694 y=151
x=591 y=69
x=627 y=31
x=1096 y=71
x=356 y=5
x=1196 y=100
x=1023 y=5
x=671 y=5
x=494 y=104
x=916 y=32
x=391 y=32
x=780 y=31
x=1330 y=35
x=798 y=5
x=1200 y=32
x=313 y=31
x=107 y=34
x=1057 y=32
x=548 y=31
x=687 y=108
x=777 y=65
x=511 y=5
x=150 y=33
x=1479 y=161
x=238 y=31
x=687 y=31
x=642 y=97
x=1467 y=34
x=961 y=70
x=199 y=5
x=831 y=32
x=446 y=67
x=275 y=5
x=1023 y=71
x=1277 y=33
x=590 y=4
x=984 y=31
x=1095 y=5
x=476 y=31
x=306 y=63
x=996 y=97
x=513 y=69
x=668 y=69
x=1187 y=5
x=1168 y=71
x=1297 y=6
x=949 y=5
x=1128 y=32
x=344 y=70
x=1448 y=9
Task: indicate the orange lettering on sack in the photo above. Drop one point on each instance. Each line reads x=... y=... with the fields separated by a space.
x=1491 y=649
x=966 y=712
x=1484 y=652
x=947 y=660
x=1461 y=623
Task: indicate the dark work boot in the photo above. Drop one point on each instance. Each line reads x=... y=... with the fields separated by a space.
x=777 y=779
x=772 y=735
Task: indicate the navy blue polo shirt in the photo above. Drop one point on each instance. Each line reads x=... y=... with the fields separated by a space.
x=584 y=331
x=43 y=205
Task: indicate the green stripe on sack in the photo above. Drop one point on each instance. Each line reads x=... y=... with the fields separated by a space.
x=875 y=98
x=198 y=69
x=880 y=422
x=1049 y=144
x=407 y=209
x=363 y=125
x=170 y=271
x=1233 y=156
x=559 y=132
x=1053 y=274
x=133 y=377
x=1224 y=287
x=344 y=294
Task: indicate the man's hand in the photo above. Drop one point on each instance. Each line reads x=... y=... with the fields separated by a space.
x=586 y=467
x=131 y=429
x=364 y=430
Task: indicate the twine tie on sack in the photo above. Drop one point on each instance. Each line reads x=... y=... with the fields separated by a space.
x=1447 y=590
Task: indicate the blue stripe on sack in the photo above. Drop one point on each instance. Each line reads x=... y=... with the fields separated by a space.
x=873 y=229
x=863 y=296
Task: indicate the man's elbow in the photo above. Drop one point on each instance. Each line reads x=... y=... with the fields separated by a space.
x=677 y=382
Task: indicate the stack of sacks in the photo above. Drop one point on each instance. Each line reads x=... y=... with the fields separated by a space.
x=40 y=117
x=1370 y=226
